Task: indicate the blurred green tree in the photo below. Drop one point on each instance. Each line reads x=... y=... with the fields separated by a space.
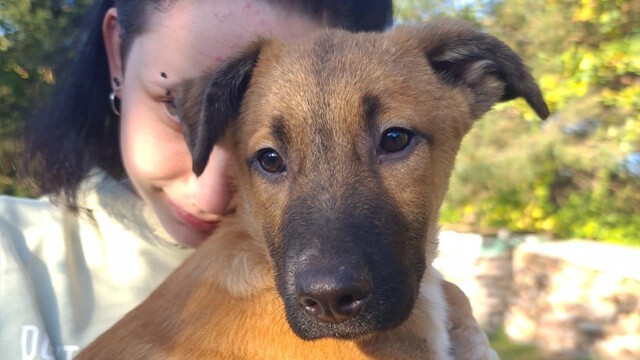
x=572 y=176
x=35 y=44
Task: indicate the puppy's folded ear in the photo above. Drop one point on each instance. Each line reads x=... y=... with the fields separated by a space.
x=207 y=104
x=463 y=56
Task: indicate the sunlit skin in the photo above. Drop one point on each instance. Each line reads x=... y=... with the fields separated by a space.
x=192 y=37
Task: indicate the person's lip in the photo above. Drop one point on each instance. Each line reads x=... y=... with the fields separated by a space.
x=192 y=220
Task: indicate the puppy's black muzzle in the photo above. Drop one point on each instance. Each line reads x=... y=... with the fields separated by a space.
x=348 y=271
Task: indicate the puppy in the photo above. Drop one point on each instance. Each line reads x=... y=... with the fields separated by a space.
x=343 y=144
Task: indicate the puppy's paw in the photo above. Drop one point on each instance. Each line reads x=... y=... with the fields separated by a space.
x=468 y=340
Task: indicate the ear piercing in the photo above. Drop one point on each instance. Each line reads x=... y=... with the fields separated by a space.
x=112 y=102
x=112 y=96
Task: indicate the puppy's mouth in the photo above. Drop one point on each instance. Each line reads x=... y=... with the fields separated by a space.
x=359 y=328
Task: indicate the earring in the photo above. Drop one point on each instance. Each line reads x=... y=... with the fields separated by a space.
x=112 y=101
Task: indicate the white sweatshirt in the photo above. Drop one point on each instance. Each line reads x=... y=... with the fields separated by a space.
x=66 y=277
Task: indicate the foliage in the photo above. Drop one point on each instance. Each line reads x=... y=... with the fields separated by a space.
x=566 y=177
x=418 y=10
x=35 y=38
x=508 y=350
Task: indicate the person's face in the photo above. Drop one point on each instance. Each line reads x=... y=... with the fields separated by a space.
x=191 y=38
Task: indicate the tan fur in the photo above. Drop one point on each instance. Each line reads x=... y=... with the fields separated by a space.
x=208 y=321
x=222 y=303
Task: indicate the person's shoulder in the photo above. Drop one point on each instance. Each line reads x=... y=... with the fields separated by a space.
x=11 y=202
x=18 y=212
x=46 y=215
x=18 y=209
x=24 y=221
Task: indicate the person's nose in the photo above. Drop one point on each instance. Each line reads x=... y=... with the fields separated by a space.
x=213 y=186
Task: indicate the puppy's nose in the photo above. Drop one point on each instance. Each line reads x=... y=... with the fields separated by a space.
x=332 y=295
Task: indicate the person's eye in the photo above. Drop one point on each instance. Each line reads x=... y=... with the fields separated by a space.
x=171 y=109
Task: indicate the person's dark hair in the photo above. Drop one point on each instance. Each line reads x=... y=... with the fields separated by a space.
x=77 y=131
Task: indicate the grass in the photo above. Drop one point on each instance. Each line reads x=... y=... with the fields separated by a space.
x=509 y=350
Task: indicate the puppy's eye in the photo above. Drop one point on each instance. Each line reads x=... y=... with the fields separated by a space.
x=270 y=161
x=395 y=139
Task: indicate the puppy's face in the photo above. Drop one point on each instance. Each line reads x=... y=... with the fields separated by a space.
x=344 y=145
x=347 y=150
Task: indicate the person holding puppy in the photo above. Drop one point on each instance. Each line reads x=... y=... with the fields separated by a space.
x=124 y=207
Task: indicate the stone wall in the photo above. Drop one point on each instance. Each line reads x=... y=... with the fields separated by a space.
x=574 y=299
x=577 y=299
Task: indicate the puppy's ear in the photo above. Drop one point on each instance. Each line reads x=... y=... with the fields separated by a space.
x=207 y=104
x=463 y=56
